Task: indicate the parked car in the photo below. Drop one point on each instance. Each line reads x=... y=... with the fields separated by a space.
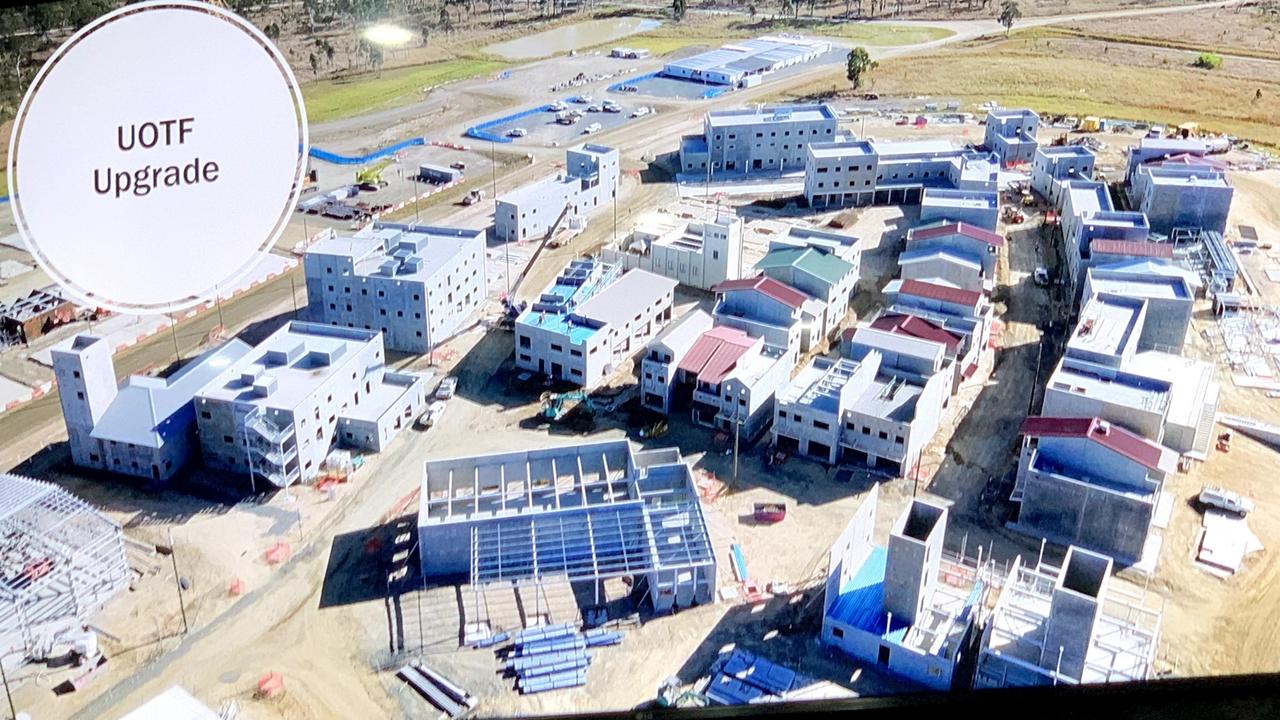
x=592 y=128
x=1223 y=499
x=583 y=99
x=1041 y=277
x=593 y=108
x=517 y=132
x=431 y=416
x=558 y=106
x=458 y=166
x=448 y=387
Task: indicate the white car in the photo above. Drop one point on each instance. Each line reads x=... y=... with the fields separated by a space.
x=431 y=416
x=517 y=132
x=592 y=128
x=584 y=99
x=558 y=106
x=1223 y=499
x=640 y=112
x=448 y=387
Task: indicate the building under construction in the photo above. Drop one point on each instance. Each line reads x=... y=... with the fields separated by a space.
x=1067 y=625
x=583 y=514
x=60 y=562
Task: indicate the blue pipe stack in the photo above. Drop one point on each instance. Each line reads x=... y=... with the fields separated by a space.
x=552 y=657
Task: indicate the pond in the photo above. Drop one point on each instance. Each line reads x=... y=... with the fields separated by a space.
x=571 y=37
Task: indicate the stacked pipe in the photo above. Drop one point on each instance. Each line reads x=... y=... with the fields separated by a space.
x=552 y=657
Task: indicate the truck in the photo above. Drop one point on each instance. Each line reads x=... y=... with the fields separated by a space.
x=1212 y=496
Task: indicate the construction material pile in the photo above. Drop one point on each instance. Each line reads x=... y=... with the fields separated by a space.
x=453 y=700
x=552 y=657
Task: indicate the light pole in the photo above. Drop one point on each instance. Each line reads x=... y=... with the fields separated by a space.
x=506 y=242
x=177 y=580
x=13 y=712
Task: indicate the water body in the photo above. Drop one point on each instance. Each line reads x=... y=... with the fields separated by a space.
x=571 y=37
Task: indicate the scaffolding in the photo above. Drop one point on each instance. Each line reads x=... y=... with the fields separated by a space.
x=60 y=562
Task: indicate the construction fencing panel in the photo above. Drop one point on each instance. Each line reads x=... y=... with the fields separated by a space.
x=337 y=159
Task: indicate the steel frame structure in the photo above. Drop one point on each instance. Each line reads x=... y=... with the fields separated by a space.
x=60 y=561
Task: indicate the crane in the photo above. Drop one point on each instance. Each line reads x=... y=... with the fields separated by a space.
x=370 y=178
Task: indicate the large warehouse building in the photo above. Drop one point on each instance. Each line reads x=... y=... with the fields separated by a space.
x=732 y=63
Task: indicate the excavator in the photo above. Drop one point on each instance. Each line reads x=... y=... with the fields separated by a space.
x=370 y=179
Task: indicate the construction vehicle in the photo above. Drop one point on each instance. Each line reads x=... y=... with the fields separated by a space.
x=1028 y=199
x=1224 y=442
x=556 y=405
x=370 y=178
x=656 y=430
x=473 y=197
x=310 y=181
x=1012 y=216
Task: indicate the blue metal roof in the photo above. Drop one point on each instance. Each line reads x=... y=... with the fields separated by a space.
x=861 y=601
x=148 y=411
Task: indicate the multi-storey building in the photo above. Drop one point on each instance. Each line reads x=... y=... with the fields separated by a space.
x=1058 y=164
x=755 y=140
x=415 y=284
x=276 y=412
x=590 y=319
x=534 y=212
x=696 y=254
x=1011 y=135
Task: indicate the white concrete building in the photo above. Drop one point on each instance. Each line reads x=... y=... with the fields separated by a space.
x=1057 y=164
x=846 y=172
x=909 y=607
x=693 y=253
x=417 y=285
x=277 y=411
x=662 y=358
x=731 y=379
x=590 y=320
x=1067 y=626
x=762 y=139
x=536 y=211
x=823 y=276
x=1011 y=135
x=770 y=309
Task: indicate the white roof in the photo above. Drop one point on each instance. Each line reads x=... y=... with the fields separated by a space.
x=619 y=302
x=172 y=704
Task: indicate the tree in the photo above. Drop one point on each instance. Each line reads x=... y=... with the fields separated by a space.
x=678 y=9
x=1009 y=13
x=1208 y=61
x=315 y=64
x=859 y=64
x=752 y=10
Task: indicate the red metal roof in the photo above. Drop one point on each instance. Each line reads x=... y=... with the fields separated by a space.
x=715 y=353
x=917 y=327
x=919 y=288
x=1109 y=435
x=775 y=289
x=956 y=228
x=1131 y=247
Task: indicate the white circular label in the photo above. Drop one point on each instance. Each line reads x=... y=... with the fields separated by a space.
x=157 y=156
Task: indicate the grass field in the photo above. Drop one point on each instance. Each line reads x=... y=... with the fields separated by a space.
x=1084 y=79
x=334 y=99
x=717 y=30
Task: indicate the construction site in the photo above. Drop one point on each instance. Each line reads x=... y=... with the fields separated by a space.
x=488 y=533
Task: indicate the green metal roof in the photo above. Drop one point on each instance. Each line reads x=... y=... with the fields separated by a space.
x=824 y=266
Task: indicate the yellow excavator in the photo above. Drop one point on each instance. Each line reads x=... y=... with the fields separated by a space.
x=370 y=178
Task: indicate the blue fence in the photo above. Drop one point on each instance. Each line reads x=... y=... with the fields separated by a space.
x=632 y=81
x=715 y=92
x=4 y=199
x=335 y=158
x=481 y=131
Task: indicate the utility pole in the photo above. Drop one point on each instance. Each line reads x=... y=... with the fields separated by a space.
x=415 y=199
x=177 y=580
x=293 y=294
x=506 y=242
x=13 y=712
x=217 y=294
x=173 y=327
x=737 y=430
